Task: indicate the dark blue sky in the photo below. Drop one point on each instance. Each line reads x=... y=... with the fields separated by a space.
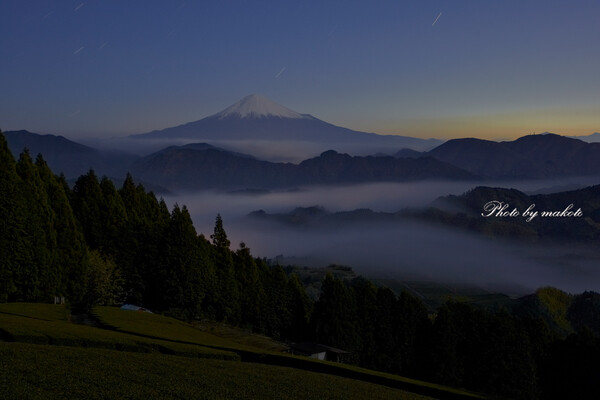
x=485 y=68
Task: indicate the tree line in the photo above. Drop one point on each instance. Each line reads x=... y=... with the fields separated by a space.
x=96 y=244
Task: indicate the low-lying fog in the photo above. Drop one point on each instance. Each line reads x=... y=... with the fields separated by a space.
x=400 y=251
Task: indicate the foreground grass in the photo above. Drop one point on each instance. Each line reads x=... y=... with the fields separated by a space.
x=50 y=324
x=133 y=348
x=241 y=336
x=158 y=326
x=30 y=371
x=178 y=331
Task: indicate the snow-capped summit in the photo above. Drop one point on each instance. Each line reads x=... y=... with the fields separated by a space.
x=255 y=118
x=257 y=106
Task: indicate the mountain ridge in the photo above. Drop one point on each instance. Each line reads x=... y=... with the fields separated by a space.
x=592 y=138
x=465 y=212
x=68 y=157
x=528 y=157
x=257 y=118
x=190 y=168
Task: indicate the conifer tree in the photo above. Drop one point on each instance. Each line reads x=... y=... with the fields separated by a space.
x=412 y=324
x=209 y=284
x=141 y=238
x=300 y=309
x=182 y=274
x=276 y=316
x=219 y=236
x=334 y=317
x=114 y=216
x=70 y=261
x=366 y=308
x=12 y=217
x=150 y=257
x=386 y=334
x=132 y=199
x=250 y=288
x=37 y=278
x=226 y=298
x=87 y=203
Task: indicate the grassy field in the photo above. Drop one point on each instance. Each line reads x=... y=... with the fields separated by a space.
x=53 y=372
x=240 y=336
x=178 y=331
x=50 y=324
x=158 y=326
x=142 y=355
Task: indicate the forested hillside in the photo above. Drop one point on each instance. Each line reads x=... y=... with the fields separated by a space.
x=98 y=245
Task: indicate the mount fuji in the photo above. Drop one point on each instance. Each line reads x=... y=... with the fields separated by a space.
x=256 y=118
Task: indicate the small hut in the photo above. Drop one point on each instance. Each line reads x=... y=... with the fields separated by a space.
x=320 y=352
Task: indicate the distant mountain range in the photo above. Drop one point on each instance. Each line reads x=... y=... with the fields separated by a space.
x=593 y=138
x=257 y=118
x=529 y=157
x=68 y=157
x=319 y=217
x=201 y=166
x=465 y=211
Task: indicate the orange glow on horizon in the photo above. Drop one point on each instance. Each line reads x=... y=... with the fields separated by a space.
x=505 y=126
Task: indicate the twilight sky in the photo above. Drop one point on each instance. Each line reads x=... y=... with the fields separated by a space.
x=484 y=68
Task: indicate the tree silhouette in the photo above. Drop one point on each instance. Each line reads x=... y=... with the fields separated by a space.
x=219 y=237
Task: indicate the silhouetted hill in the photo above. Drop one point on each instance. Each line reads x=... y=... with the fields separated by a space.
x=466 y=211
x=193 y=167
x=472 y=201
x=316 y=216
x=533 y=156
x=333 y=167
x=594 y=137
x=69 y=157
x=550 y=305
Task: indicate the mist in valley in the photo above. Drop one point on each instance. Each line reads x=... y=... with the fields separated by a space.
x=401 y=250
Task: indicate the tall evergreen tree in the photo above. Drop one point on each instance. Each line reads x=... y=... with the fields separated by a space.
x=250 y=287
x=334 y=317
x=113 y=217
x=182 y=270
x=12 y=218
x=87 y=203
x=300 y=309
x=219 y=236
x=37 y=277
x=141 y=238
x=276 y=316
x=366 y=308
x=411 y=326
x=131 y=239
x=71 y=252
x=387 y=357
x=209 y=282
x=226 y=299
